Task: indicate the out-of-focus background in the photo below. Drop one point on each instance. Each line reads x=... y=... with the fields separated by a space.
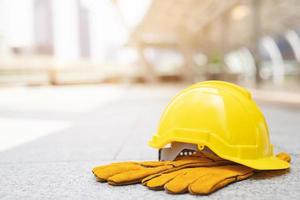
x=83 y=82
x=52 y=42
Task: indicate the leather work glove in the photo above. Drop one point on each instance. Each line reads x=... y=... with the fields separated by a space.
x=201 y=180
x=124 y=173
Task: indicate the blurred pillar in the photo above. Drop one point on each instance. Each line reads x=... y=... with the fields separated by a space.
x=256 y=28
x=43 y=26
x=107 y=33
x=249 y=61
x=188 y=70
x=186 y=48
x=276 y=58
x=148 y=68
x=224 y=37
x=66 y=30
x=294 y=40
x=248 y=65
x=84 y=29
x=97 y=27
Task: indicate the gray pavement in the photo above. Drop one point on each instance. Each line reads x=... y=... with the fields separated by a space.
x=104 y=124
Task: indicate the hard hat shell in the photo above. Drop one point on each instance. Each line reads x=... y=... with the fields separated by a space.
x=223 y=117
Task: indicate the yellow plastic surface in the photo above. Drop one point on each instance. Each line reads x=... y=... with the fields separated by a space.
x=223 y=117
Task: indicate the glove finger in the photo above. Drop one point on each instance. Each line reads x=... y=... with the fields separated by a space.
x=104 y=172
x=135 y=176
x=180 y=183
x=157 y=182
x=186 y=160
x=197 y=162
x=216 y=178
x=210 y=155
x=284 y=156
x=208 y=184
x=185 y=166
x=155 y=163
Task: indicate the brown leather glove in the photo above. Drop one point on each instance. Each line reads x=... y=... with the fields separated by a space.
x=201 y=180
x=125 y=173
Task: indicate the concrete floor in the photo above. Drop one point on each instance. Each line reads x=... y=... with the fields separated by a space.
x=51 y=138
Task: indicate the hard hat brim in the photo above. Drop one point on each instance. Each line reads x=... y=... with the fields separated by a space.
x=269 y=163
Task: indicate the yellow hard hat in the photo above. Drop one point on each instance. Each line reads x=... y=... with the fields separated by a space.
x=223 y=117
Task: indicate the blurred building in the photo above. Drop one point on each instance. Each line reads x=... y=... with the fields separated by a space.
x=249 y=38
x=74 y=41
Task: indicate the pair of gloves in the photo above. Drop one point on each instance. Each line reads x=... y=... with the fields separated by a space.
x=202 y=173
